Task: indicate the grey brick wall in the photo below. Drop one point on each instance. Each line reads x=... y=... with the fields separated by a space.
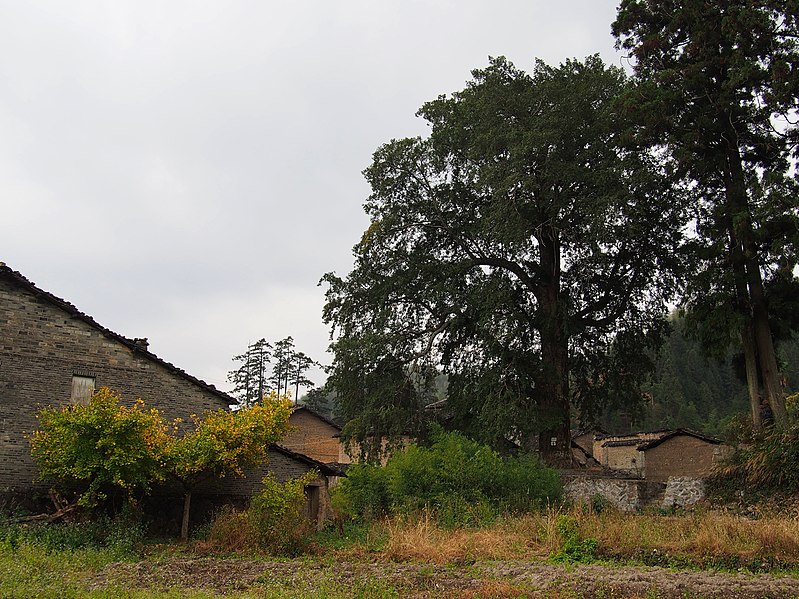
x=41 y=347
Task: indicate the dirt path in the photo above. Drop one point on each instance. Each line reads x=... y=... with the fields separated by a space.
x=485 y=579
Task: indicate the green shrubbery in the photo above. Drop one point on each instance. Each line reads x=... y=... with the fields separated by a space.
x=463 y=482
x=763 y=469
x=275 y=521
x=276 y=515
x=574 y=548
x=121 y=536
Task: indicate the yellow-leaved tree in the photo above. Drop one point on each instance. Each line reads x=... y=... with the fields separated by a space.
x=104 y=446
x=101 y=446
x=225 y=443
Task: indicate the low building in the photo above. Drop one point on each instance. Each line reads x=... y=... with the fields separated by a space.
x=659 y=455
x=316 y=437
x=52 y=354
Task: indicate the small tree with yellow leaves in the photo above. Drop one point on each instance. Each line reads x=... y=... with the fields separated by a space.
x=104 y=446
x=225 y=443
x=101 y=446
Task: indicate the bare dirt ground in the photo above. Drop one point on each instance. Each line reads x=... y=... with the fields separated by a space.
x=482 y=579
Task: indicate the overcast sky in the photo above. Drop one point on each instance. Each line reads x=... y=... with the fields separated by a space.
x=187 y=171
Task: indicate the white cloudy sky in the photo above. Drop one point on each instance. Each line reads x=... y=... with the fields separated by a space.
x=186 y=171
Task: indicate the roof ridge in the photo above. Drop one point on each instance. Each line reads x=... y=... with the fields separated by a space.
x=71 y=309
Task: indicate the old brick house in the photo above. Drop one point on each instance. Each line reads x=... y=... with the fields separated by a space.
x=316 y=436
x=659 y=455
x=51 y=353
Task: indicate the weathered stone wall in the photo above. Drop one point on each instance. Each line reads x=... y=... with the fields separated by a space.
x=41 y=347
x=631 y=494
x=683 y=491
x=626 y=494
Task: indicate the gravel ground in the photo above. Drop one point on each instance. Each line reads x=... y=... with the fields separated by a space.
x=483 y=579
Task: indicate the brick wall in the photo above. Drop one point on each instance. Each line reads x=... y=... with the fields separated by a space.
x=682 y=455
x=42 y=346
x=315 y=438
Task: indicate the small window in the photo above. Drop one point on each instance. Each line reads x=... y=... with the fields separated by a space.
x=82 y=388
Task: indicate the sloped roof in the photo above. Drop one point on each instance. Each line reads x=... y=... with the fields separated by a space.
x=636 y=435
x=324 y=469
x=676 y=433
x=19 y=280
x=622 y=443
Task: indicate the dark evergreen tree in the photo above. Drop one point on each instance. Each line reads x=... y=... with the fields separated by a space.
x=524 y=249
x=249 y=379
x=283 y=355
x=719 y=85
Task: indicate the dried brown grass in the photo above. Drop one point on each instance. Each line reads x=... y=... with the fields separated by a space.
x=421 y=539
x=697 y=536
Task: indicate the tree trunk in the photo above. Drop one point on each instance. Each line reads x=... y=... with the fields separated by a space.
x=747 y=336
x=554 y=442
x=184 y=527
x=750 y=361
x=739 y=212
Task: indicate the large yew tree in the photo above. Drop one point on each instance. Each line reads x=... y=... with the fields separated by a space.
x=523 y=248
x=718 y=83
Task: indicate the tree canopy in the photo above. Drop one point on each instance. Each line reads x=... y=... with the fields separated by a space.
x=270 y=367
x=524 y=248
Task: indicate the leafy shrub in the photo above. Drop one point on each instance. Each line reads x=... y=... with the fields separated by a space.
x=573 y=549
x=363 y=494
x=768 y=466
x=463 y=482
x=276 y=519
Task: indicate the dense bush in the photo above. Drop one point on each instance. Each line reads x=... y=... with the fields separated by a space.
x=277 y=517
x=763 y=469
x=275 y=521
x=462 y=481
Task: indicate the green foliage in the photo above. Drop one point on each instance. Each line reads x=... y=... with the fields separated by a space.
x=464 y=482
x=573 y=549
x=266 y=366
x=363 y=494
x=689 y=389
x=762 y=469
x=101 y=446
x=522 y=249
x=718 y=88
x=276 y=515
x=120 y=536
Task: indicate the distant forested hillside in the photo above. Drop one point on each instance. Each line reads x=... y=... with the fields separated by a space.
x=695 y=391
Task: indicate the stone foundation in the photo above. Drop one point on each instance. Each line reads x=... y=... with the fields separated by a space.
x=633 y=494
x=683 y=491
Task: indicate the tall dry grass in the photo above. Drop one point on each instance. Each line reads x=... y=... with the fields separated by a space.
x=699 y=537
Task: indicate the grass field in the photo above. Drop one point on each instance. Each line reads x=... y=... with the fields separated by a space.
x=575 y=554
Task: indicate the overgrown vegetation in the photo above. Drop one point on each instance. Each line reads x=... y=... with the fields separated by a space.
x=275 y=521
x=461 y=481
x=104 y=446
x=761 y=470
x=402 y=556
